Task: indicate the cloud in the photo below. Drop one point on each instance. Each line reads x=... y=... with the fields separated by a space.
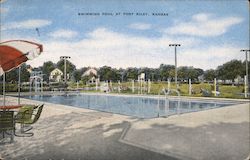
x=105 y=47
x=63 y=33
x=27 y=24
x=140 y=26
x=204 y=25
x=209 y=57
x=4 y=10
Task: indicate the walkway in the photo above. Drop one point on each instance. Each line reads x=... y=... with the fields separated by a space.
x=65 y=132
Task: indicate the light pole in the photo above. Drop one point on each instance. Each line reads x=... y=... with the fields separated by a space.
x=247 y=78
x=175 y=46
x=19 y=84
x=65 y=74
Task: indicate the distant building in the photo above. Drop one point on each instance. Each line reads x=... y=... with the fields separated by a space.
x=141 y=77
x=239 y=80
x=91 y=74
x=90 y=71
x=201 y=78
x=56 y=75
x=29 y=69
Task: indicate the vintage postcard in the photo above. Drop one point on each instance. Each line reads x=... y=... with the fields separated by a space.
x=124 y=80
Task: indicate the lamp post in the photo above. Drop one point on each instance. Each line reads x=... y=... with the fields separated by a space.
x=175 y=46
x=247 y=78
x=19 y=84
x=4 y=88
x=65 y=74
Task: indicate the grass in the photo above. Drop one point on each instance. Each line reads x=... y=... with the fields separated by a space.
x=226 y=91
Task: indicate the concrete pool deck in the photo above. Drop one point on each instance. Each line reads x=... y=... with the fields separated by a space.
x=65 y=132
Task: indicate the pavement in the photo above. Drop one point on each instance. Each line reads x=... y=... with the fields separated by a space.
x=65 y=132
x=216 y=134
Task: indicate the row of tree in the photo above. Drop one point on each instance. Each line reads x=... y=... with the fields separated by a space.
x=108 y=73
x=227 y=71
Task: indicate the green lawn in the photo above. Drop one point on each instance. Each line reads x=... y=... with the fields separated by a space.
x=226 y=91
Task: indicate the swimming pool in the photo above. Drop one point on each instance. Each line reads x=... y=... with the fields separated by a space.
x=138 y=106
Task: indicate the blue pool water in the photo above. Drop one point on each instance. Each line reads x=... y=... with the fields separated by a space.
x=138 y=106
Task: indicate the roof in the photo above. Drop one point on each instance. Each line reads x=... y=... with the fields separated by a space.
x=56 y=70
x=89 y=72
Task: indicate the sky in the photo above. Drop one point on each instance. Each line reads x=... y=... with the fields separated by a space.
x=130 y=33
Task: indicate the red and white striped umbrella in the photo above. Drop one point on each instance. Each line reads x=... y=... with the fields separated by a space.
x=15 y=52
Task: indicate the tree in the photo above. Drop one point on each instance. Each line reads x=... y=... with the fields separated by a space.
x=183 y=72
x=108 y=73
x=165 y=71
x=77 y=74
x=192 y=73
x=25 y=74
x=69 y=66
x=172 y=73
x=131 y=73
x=230 y=70
x=122 y=72
x=154 y=74
x=209 y=75
x=199 y=71
x=46 y=69
x=12 y=76
x=148 y=72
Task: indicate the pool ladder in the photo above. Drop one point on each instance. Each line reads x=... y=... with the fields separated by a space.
x=167 y=101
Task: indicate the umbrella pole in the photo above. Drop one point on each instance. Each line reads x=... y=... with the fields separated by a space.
x=19 y=84
x=3 y=89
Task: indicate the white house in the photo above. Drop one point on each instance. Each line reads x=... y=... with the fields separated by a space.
x=141 y=77
x=56 y=75
x=92 y=73
x=201 y=78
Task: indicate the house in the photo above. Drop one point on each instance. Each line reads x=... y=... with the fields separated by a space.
x=90 y=71
x=201 y=78
x=56 y=75
x=239 y=80
x=141 y=77
x=29 y=69
x=91 y=75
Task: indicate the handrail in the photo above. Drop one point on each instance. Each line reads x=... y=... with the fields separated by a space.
x=167 y=93
x=170 y=90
